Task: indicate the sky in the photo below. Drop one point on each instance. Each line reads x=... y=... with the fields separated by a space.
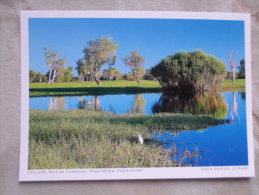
x=154 y=39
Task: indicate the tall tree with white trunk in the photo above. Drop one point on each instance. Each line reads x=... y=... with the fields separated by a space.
x=53 y=62
x=232 y=63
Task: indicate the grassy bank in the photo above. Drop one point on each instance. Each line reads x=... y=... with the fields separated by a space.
x=111 y=87
x=239 y=85
x=91 y=88
x=89 y=139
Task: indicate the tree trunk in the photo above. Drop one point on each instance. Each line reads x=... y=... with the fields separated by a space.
x=54 y=76
x=96 y=80
x=137 y=79
x=50 y=74
x=233 y=76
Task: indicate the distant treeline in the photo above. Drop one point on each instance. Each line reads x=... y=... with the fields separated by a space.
x=182 y=70
x=66 y=75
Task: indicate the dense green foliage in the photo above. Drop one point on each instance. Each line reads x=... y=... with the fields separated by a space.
x=190 y=72
x=77 y=139
x=37 y=77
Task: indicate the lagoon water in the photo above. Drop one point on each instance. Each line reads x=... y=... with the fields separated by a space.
x=220 y=145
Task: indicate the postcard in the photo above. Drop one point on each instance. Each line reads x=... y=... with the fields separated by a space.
x=111 y=95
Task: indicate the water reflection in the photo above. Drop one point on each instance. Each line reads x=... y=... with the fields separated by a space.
x=57 y=103
x=208 y=104
x=234 y=108
x=214 y=146
x=93 y=104
x=138 y=105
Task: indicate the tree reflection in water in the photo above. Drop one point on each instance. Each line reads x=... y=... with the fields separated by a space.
x=57 y=103
x=93 y=104
x=139 y=104
x=234 y=108
x=212 y=104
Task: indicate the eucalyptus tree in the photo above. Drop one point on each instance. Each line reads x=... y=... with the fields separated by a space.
x=136 y=63
x=54 y=63
x=32 y=75
x=111 y=74
x=97 y=54
x=81 y=69
x=232 y=63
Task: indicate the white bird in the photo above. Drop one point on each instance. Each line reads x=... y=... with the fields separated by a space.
x=140 y=139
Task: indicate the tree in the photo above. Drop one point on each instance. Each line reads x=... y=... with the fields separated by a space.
x=54 y=63
x=40 y=77
x=189 y=72
x=232 y=63
x=136 y=62
x=68 y=74
x=128 y=77
x=82 y=70
x=148 y=75
x=32 y=75
x=64 y=74
x=111 y=74
x=96 y=55
x=241 y=68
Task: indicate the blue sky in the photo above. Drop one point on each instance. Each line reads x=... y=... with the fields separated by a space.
x=153 y=38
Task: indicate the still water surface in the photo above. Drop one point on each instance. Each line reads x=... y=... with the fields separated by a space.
x=220 y=145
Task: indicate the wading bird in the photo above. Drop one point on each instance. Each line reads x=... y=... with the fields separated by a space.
x=140 y=139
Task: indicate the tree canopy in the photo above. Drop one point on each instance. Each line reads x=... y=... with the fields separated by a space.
x=96 y=55
x=54 y=63
x=242 y=70
x=111 y=74
x=136 y=63
x=190 y=72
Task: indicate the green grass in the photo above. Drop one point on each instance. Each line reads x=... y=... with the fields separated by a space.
x=91 y=88
x=239 y=85
x=111 y=87
x=90 y=139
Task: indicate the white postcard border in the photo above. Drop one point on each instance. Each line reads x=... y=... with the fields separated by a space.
x=129 y=173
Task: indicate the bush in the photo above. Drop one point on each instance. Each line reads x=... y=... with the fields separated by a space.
x=190 y=72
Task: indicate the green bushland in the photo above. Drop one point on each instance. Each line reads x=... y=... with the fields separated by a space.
x=111 y=87
x=190 y=72
x=91 y=139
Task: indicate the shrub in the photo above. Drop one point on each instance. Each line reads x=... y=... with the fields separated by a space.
x=190 y=72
